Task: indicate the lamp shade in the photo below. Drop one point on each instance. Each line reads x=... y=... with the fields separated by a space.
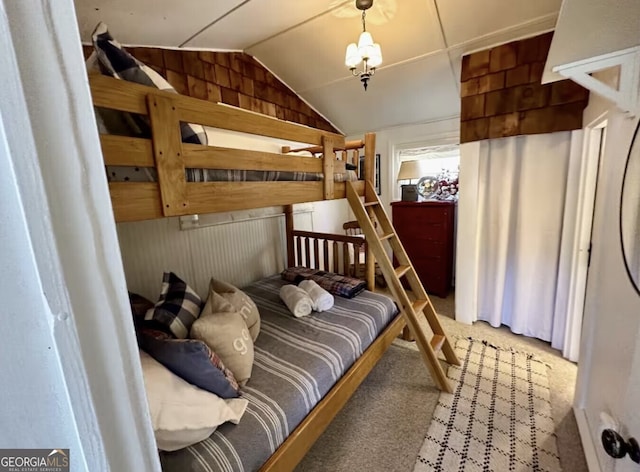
x=365 y=45
x=375 y=59
x=352 y=57
x=411 y=170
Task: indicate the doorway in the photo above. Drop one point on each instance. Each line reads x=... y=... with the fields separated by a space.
x=573 y=220
x=427 y=184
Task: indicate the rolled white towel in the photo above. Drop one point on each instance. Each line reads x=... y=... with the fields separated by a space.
x=322 y=300
x=297 y=300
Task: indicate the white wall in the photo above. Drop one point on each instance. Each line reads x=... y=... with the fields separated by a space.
x=68 y=274
x=30 y=359
x=609 y=370
x=238 y=253
x=612 y=308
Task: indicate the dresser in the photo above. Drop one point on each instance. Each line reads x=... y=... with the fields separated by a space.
x=426 y=230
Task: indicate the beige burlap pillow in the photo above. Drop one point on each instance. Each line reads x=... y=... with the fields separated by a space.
x=241 y=302
x=223 y=329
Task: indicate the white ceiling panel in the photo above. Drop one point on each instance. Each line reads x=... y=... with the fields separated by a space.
x=414 y=92
x=303 y=42
x=149 y=22
x=466 y=20
x=313 y=54
x=257 y=20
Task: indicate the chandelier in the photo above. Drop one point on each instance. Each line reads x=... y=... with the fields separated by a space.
x=366 y=51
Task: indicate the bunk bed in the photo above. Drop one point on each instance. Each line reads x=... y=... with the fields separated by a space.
x=173 y=194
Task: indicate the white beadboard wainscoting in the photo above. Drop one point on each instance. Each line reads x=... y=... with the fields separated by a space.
x=238 y=252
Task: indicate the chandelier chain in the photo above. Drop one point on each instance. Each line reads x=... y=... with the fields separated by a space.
x=364 y=25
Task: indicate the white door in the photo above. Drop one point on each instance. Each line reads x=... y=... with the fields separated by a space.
x=609 y=366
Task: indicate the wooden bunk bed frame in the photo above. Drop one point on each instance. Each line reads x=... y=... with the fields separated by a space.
x=172 y=195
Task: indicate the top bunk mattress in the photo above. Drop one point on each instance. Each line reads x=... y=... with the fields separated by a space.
x=149 y=174
x=297 y=361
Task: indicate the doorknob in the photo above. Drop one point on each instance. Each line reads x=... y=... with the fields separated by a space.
x=617 y=447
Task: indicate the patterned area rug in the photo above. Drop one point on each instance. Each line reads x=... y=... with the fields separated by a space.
x=498 y=418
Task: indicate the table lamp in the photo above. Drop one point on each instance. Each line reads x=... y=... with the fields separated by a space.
x=410 y=170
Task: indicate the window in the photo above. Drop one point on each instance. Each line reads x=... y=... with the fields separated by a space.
x=436 y=159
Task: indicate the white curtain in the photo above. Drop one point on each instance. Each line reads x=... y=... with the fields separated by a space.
x=513 y=242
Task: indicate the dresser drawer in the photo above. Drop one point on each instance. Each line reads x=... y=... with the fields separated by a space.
x=422 y=215
x=420 y=249
x=426 y=232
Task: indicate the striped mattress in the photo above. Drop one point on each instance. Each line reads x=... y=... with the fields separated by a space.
x=297 y=361
x=149 y=174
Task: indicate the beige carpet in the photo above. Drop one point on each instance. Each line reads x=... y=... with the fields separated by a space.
x=384 y=424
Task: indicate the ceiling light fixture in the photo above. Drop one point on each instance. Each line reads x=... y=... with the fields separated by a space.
x=365 y=51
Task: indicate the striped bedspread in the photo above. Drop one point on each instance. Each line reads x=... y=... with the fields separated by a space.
x=297 y=361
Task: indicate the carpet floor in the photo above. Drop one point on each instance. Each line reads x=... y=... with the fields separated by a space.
x=384 y=424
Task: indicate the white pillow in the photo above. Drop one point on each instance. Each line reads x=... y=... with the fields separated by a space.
x=183 y=414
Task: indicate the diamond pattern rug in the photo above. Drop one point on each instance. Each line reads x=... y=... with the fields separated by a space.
x=498 y=418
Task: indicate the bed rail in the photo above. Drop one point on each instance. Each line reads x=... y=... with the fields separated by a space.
x=172 y=195
x=329 y=252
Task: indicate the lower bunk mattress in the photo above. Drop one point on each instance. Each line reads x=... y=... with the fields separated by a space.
x=297 y=361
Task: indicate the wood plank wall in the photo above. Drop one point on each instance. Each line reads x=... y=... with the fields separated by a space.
x=502 y=95
x=234 y=78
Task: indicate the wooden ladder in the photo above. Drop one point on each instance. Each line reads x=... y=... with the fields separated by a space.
x=366 y=213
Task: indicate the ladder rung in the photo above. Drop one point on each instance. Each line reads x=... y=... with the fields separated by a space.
x=419 y=305
x=436 y=342
x=401 y=270
x=375 y=222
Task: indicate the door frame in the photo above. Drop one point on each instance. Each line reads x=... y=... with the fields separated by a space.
x=594 y=139
x=593 y=150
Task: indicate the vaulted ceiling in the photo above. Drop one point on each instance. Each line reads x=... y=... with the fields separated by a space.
x=303 y=42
